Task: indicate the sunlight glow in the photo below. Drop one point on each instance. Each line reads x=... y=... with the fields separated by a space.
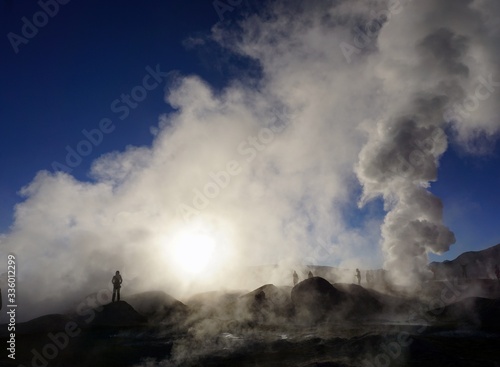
x=192 y=252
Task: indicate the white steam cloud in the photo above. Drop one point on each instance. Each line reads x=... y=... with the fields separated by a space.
x=439 y=64
x=267 y=167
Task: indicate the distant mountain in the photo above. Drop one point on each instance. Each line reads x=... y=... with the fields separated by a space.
x=471 y=264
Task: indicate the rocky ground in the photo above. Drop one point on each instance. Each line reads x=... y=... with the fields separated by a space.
x=315 y=323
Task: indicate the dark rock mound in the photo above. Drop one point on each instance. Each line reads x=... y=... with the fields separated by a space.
x=267 y=303
x=315 y=298
x=158 y=306
x=279 y=296
x=358 y=301
x=41 y=325
x=119 y=314
x=478 y=312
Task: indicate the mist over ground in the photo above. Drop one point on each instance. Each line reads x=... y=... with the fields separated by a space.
x=354 y=102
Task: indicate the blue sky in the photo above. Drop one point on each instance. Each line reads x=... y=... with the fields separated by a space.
x=67 y=76
x=65 y=79
x=469 y=187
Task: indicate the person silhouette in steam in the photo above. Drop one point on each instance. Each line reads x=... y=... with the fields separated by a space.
x=295 y=278
x=358 y=275
x=117 y=284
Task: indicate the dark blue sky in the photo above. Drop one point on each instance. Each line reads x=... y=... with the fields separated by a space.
x=66 y=77
x=469 y=187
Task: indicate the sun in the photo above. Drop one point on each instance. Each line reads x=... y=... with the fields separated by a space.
x=192 y=252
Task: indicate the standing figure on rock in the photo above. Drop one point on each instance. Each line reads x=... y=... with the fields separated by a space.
x=310 y=274
x=117 y=284
x=358 y=275
x=295 y=278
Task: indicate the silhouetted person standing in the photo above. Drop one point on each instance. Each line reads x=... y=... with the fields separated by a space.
x=310 y=274
x=358 y=275
x=117 y=284
x=295 y=278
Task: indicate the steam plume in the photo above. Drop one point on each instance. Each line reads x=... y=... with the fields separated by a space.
x=436 y=66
